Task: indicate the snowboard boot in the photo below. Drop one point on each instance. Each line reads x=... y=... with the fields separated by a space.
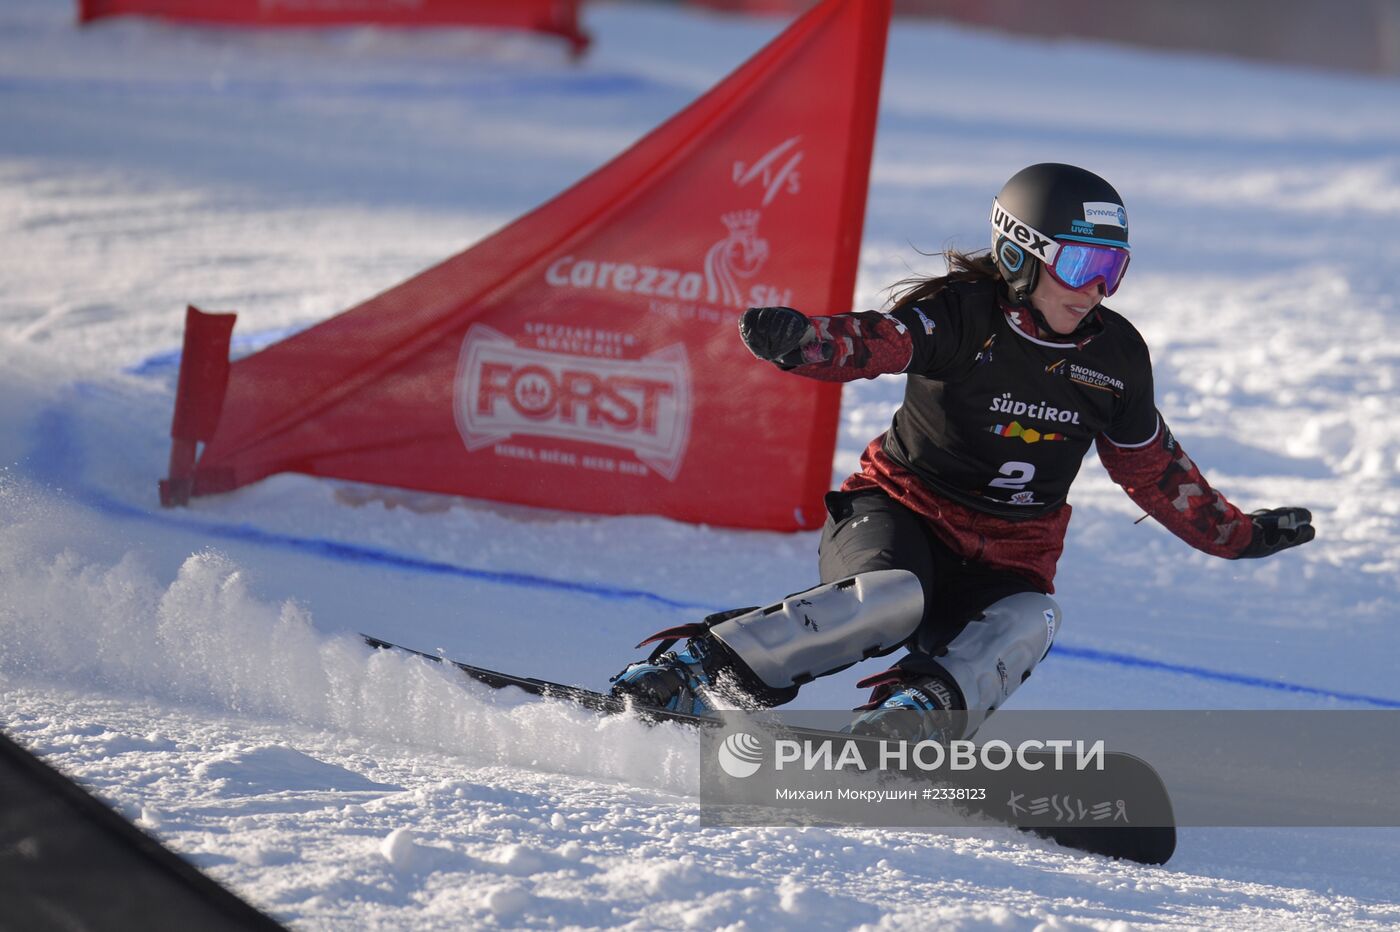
x=676 y=680
x=904 y=706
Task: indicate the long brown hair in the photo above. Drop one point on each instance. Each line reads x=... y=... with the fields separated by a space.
x=962 y=267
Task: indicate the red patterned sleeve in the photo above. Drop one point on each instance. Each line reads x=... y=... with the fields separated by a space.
x=1165 y=483
x=864 y=344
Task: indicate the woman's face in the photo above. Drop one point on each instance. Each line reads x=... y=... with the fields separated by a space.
x=1063 y=308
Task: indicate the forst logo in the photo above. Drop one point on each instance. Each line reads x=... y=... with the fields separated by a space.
x=537 y=392
x=642 y=405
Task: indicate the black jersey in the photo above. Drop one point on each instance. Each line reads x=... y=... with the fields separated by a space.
x=1000 y=420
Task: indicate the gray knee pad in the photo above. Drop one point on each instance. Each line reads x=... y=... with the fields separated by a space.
x=826 y=628
x=995 y=653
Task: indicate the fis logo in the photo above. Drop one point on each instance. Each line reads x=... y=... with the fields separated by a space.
x=731 y=264
x=775 y=170
x=640 y=405
x=984 y=355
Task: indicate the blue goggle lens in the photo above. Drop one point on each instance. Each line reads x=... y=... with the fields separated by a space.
x=1078 y=264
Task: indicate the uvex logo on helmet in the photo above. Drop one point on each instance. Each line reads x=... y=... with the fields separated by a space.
x=1009 y=226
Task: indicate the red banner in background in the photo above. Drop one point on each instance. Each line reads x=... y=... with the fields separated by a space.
x=586 y=357
x=557 y=17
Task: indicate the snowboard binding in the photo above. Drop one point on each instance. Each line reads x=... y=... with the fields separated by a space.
x=697 y=678
x=904 y=706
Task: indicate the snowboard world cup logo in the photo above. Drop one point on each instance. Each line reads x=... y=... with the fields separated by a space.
x=640 y=405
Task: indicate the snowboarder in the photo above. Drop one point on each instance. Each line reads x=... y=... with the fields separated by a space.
x=946 y=540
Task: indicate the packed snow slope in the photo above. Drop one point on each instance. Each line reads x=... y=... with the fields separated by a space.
x=198 y=668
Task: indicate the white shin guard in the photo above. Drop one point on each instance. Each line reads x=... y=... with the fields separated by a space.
x=826 y=628
x=994 y=654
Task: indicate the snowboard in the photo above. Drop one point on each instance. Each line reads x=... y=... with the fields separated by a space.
x=1143 y=844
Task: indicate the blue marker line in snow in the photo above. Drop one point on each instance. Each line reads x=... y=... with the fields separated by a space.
x=354 y=553
x=1128 y=660
x=56 y=451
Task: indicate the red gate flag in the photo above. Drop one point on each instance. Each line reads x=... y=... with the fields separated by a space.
x=586 y=357
x=558 y=17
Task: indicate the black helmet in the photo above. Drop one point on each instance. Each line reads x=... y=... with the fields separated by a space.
x=1045 y=203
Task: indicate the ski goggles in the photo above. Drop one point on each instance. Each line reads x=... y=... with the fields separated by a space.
x=1077 y=265
x=1073 y=261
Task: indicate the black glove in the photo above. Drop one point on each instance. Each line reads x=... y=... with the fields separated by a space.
x=778 y=334
x=1278 y=529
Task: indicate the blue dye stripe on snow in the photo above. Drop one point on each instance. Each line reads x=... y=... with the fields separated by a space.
x=56 y=451
x=355 y=553
x=55 y=448
x=1240 y=679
